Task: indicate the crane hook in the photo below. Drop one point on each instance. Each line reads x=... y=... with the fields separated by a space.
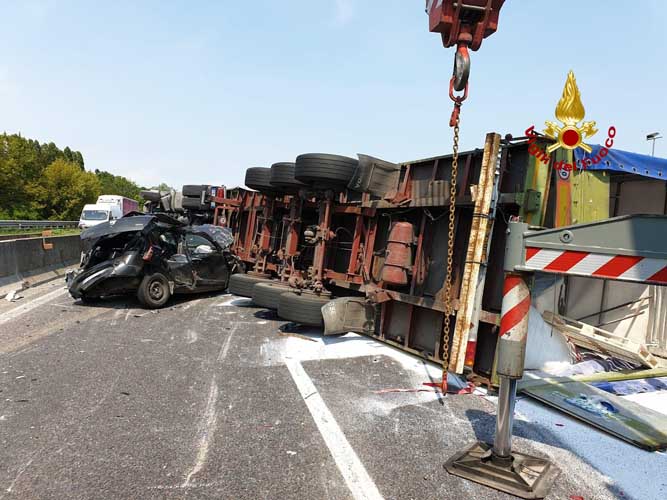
x=461 y=67
x=459 y=80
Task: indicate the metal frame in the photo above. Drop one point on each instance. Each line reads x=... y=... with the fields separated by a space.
x=622 y=248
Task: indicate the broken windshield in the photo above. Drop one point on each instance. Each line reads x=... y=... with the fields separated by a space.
x=221 y=235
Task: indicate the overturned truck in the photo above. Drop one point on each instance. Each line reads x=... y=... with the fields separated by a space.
x=361 y=245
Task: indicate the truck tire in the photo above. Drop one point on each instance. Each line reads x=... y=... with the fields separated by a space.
x=259 y=179
x=154 y=291
x=268 y=294
x=195 y=190
x=304 y=308
x=242 y=284
x=194 y=203
x=282 y=176
x=150 y=195
x=324 y=169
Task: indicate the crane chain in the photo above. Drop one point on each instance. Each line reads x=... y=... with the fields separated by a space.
x=450 y=255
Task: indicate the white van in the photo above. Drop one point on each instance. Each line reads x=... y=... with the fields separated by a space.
x=92 y=215
x=108 y=207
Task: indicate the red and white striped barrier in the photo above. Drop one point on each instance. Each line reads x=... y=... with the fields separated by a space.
x=515 y=307
x=618 y=267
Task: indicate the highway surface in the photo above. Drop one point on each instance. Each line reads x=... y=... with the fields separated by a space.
x=213 y=398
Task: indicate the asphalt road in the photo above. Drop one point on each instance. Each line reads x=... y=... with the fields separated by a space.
x=209 y=398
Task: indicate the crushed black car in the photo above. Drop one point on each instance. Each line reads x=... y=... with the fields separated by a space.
x=154 y=256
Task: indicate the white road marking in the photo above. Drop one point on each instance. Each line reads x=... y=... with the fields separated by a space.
x=207 y=431
x=357 y=479
x=29 y=306
x=210 y=420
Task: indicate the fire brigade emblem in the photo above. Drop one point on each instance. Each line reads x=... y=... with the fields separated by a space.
x=570 y=112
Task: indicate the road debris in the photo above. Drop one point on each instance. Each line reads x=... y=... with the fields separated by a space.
x=13 y=296
x=296 y=335
x=386 y=391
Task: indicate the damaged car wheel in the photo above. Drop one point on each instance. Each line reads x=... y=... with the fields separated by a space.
x=154 y=291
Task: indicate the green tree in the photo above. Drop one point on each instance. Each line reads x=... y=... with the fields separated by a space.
x=33 y=174
x=78 y=158
x=117 y=184
x=20 y=166
x=65 y=189
x=163 y=187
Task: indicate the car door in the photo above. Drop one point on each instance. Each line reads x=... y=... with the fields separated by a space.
x=176 y=260
x=208 y=261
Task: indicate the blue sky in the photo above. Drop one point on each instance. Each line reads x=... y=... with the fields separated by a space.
x=197 y=91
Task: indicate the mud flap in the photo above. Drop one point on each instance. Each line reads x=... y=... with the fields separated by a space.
x=374 y=176
x=348 y=314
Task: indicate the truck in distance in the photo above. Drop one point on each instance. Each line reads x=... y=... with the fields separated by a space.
x=107 y=207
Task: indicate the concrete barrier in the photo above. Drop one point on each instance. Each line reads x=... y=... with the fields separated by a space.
x=29 y=261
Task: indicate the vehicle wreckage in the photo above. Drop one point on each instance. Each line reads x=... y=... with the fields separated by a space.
x=154 y=256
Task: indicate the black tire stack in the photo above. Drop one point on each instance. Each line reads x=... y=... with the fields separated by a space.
x=304 y=308
x=192 y=197
x=242 y=284
x=259 y=179
x=324 y=170
x=282 y=178
x=318 y=171
x=268 y=294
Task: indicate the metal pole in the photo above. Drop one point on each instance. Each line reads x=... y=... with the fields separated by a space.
x=497 y=465
x=511 y=354
x=502 y=444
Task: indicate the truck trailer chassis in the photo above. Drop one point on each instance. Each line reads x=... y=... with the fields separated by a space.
x=381 y=246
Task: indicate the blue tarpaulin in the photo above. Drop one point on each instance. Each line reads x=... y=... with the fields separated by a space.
x=623 y=161
x=625 y=387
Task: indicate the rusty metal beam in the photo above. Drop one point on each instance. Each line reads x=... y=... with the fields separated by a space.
x=479 y=233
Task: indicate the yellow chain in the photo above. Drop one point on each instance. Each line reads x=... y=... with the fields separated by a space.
x=450 y=254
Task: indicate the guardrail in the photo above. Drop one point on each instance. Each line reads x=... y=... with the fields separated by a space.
x=28 y=224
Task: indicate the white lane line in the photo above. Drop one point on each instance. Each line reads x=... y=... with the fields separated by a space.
x=210 y=420
x=207 y=431
x=29 y=306
x=357 y=479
